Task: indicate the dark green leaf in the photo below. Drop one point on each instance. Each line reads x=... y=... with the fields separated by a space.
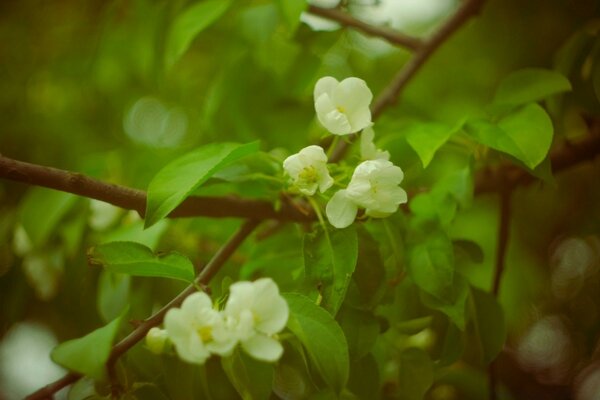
x=415 y=375
x=88 y=355
x=364 y=378
x=361 y=329
x=530 y=85
x=470 y=248
x=136 y=259
x=322 y=338
x=453 y=305
x=489 y=324
x=427 y=137
x=252 y=379
x=329 y=261
x=181 y=177
x=369 y=276
x=189 y=24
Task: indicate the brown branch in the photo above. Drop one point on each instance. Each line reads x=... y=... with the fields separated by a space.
x=345 y=19
x=391 y=93
x=134 y=199
x=207 y=273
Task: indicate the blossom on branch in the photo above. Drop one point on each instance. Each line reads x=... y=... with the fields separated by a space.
x=374 y=186
x=343 y=107
x=368 y=150
x=308 y=170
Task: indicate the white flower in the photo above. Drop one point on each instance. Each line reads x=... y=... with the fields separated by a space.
x=308 y=170
x=156 y=339
x=343 y=107
x=255 y=311
x=319 y=23
x=368 y=150
x=197 y=329
x=374 y=186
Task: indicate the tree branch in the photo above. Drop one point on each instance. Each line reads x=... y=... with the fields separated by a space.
x=134 y=199
x=345 y=19
x=138 y=334
x=390 y=95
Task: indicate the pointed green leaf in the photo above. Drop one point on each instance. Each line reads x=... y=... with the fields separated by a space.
x=189 y=24
x=87 y=355
x=415 y=374
x=329 y=261
x=453 y=305
x=322 y=338
x=530 y=85
x=136 y=259
x=252 y=379
x=489 y=324
x=426 y=138
x=181 y=177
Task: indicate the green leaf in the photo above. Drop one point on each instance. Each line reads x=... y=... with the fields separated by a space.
x=329 y=261
x=415 y=374
x=113 y=294
x=87 y=355
x=454 y=306
x=41 y=210
x=530 y=85
x=252 y=379
x=531 y=129
x=426 y=138
x=470 y=249
x=369 y=276
x=361 y=329
x=525 y=134
x=136 y=259
x=181 y=177
x=364 y=378
x=431 y=265
x=291 y=10
x=189 y=24
x=489 y=324
x=322 y=338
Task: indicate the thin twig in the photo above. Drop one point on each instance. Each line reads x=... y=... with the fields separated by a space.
x=391 y=93
x=207 y=273
x=134 y=199
x=345 y=19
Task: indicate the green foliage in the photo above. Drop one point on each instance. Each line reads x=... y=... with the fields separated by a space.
x=178 y=179
x=329 y=261
x=138 y=260
x=88 y=354
x=490 y=328
x=529 y=85
x=415 y=374
x=251 y=379
x=329 y=353
x=426 y=138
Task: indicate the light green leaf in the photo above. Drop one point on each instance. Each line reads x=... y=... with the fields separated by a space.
x=189 y=24
x=415 y=374
x=531 y=129
x=329 y=261
x=489 y=324
x=113 y=294
x=252 y=379
x=41 y=210
x=530 y=85
x=291 y=10
x=87 y=355
x=322 y=338
x=136 y=259
x=525 y=134
x=181 y=177
x=426 y=138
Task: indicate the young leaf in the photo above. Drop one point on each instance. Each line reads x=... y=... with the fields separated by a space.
x=489 y=324
x=113 y=294
x=252 y=379
x=291 y=10
x=426 y=138
x=530 y=85
x=329 y=261
x=415 y=375
x=189 y=24
x=322 y=338
x=181 y=177
x=136 y=259
x=87 y=355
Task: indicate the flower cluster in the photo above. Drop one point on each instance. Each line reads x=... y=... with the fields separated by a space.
x=343 y=108
x=254 y=313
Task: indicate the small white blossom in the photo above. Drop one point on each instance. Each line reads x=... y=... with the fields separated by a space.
x=374 y=186
x=319 y=23
x=156 y=339
x=197 y=330
x=368 y=150
x=308 y=170
x=255 y=312
x=343 y=107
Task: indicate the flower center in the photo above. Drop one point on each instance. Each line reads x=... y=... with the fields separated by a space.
x=205 y=333
x=308 y=174
x=341 y=109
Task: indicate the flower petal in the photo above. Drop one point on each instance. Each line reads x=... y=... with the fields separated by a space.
x=325 y=85
x=263 y=348
x=270 y=309
x=330 y=117
x=195 y=302
x=340 y=210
